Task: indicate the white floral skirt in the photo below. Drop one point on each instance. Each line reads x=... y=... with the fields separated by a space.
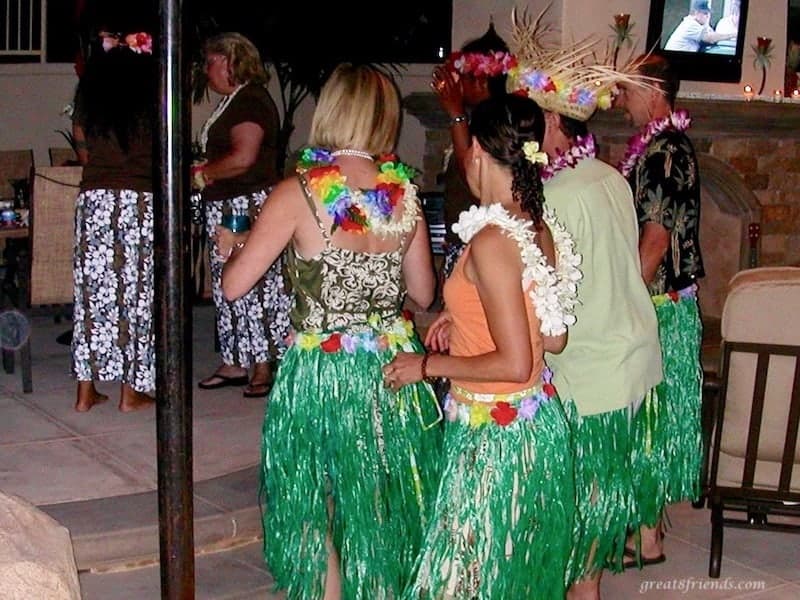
x=253 y=328
x=113 y=338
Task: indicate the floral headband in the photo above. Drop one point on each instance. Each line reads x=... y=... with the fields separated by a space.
x=140 y=43
x=480 y=64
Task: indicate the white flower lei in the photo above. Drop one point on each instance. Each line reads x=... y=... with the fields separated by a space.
x=554 y=296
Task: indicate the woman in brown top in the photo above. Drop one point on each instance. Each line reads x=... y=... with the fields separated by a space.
x=240 y=141
x=113 y=261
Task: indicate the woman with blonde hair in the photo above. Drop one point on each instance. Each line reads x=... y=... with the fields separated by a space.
x=349 y=466
x=240 y=144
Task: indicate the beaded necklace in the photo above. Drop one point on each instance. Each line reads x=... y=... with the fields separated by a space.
x=360 y=211
x=216 y=114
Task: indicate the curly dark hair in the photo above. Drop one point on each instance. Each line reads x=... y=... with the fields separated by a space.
x=502 y=125
x=118 y=95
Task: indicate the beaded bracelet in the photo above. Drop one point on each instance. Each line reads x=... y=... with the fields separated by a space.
x=424 y=368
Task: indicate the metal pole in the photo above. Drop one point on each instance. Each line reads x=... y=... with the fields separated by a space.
x=173 y=316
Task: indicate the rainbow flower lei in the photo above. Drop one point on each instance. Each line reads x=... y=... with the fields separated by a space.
x=500 y=412
x=583 y=148
x=360 y=211
x=381 y=335
x=637 y=144
x=480 y=64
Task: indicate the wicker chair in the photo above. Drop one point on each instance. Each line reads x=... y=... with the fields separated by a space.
x=755 y=457
x=51 y=238
x=14 y=164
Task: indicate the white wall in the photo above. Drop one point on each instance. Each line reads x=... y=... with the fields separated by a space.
x=32 y=96
x=31 y=100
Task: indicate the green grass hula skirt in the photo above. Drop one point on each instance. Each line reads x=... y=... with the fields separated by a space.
x=603 y=488
x=334 y=439
x=668 y=443
x=504 y=511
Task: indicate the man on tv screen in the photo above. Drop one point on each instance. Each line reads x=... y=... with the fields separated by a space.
x=694 y=32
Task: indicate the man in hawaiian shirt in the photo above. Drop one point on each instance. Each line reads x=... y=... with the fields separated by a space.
x=661 y=167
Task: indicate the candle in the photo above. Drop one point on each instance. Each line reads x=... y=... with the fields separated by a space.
x=748 y=92
x=795 y=94
x=777 y=95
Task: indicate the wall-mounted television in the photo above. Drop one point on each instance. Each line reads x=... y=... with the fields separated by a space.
x=703 y=39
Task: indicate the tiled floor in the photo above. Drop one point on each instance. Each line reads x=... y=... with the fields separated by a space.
x=756 y=565
x=51 y=454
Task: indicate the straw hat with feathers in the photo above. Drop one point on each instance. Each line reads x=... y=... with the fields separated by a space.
x=571 y=81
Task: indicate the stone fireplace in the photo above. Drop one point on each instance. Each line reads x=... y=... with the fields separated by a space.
x=749 y=155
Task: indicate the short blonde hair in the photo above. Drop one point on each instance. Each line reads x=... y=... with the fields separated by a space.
x=358 y=108
x=244 y=61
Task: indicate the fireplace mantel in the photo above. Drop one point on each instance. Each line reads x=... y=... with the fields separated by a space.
x=756 y=143
x=725 y=118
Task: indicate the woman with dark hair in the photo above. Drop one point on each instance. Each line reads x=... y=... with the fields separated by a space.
x=503 y=518
x=240 y=144
x=115 y=109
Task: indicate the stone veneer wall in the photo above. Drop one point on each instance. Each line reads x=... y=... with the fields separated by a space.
x=770 y=168
x=759 y=140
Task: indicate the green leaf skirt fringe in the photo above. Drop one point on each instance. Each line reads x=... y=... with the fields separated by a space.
x=603 y=488
x=667 y=430
x=504 y=512
x=344 y=456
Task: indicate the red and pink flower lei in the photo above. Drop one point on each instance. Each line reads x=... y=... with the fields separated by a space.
x=482 y=64
x=637 y=144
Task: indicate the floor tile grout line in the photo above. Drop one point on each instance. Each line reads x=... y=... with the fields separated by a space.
x=750 y=567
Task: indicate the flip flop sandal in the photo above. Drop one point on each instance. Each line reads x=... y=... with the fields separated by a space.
x=635 y=562
x=216 y=381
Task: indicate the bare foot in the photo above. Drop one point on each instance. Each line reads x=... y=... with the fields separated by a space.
x=586 y=589
x=652 y=541
x=88 y=396
x=130 y=400
x=261 y=381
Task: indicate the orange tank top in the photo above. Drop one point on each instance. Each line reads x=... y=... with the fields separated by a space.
x=469 y=333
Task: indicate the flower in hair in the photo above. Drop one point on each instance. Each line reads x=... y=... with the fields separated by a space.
x=532 y=153
x=140 y=42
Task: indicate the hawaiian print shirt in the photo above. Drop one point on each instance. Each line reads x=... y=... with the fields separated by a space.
x=666 y=189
